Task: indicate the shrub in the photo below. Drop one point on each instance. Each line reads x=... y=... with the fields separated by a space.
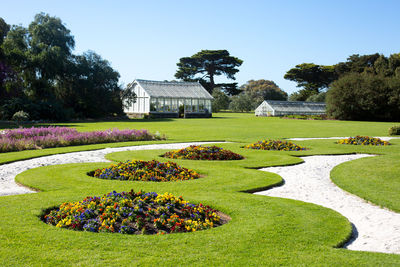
x=363 y=140
x=20 y=116
x=305 y=117
x=42 y=110
x=203 y=153
x=220 y=101
x=275 y=145
x=139 y=170
x=241 y=103
x=395 y=130
x=134 y=213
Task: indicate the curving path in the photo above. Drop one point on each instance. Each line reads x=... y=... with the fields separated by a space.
x=374 y=228
x=9 y=171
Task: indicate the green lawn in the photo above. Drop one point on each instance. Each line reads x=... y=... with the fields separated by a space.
x=263 y=230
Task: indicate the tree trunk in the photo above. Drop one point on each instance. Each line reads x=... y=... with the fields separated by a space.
x=212 y=84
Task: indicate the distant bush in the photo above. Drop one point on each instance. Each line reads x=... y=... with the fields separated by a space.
x=395 y=130
x=20 y=116
x=220 y=102
x=317 y=97
x=42 y=110
x=241 y=103
x=305 y=117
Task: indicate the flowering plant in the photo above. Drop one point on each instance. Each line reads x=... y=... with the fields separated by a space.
x=134 y=213
x=363 y=140
x=45 y=137
x=203 y=153
x=139 y=170
x=275 y=145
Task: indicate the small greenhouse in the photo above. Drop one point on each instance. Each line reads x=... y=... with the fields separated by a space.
x=170 y=99
x=281 y=108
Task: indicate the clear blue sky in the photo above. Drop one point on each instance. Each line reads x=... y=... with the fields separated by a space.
x=145 y=39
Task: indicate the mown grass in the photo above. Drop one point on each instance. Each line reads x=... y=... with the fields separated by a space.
x=375 y=179
x=263 y=230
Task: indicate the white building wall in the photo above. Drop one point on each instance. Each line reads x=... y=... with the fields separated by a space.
x=264 y=110
x=142 y=104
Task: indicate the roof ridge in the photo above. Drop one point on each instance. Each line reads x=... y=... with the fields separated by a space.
x=294 y=102
x=166 y=82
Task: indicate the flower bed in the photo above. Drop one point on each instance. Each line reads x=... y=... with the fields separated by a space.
x=139 y=170
x=275 y=145
x=203 y=153
x=134 y=213
x=363 y=140
x=46 y=137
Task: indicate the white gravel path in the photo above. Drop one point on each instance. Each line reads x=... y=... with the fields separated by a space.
x=9 y=171
x=375 y=229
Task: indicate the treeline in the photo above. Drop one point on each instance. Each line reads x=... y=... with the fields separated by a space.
x=365 y=87
x=40 y=75
x=251 y=95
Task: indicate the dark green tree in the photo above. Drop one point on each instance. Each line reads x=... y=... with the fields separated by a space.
x=51 y=45
x=394 y=64
x=313 y=78
x=301 y=95
x=364 y=96
x=357 y=63
x=317 y=98
x=241 y=103
x=205 y=65
x=221 y=100
x=4 y=28
x=92 y=89
x=48 y=81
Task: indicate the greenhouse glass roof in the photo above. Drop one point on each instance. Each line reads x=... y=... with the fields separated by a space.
x=296 y=106
x=174 y=89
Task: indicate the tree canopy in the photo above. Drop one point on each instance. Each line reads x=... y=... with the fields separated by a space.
x=260 y=90
x=311 y=77
x=205 y=65
x=40 y=74
x=364 y=96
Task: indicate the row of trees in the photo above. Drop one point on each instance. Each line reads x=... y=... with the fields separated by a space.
x=253 y=93
x=40 y=75
x=365 y=87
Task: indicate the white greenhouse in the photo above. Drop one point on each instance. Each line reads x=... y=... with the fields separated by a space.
x=281 y=108
x=170 y=99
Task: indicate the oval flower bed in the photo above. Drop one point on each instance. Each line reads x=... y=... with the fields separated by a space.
x=363 y=140
x=134 y=213
x=203 y=153
x=46 y=137
x=139 y=170
x=275 y=145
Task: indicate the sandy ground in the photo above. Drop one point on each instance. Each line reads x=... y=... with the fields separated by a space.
x=375 y=228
